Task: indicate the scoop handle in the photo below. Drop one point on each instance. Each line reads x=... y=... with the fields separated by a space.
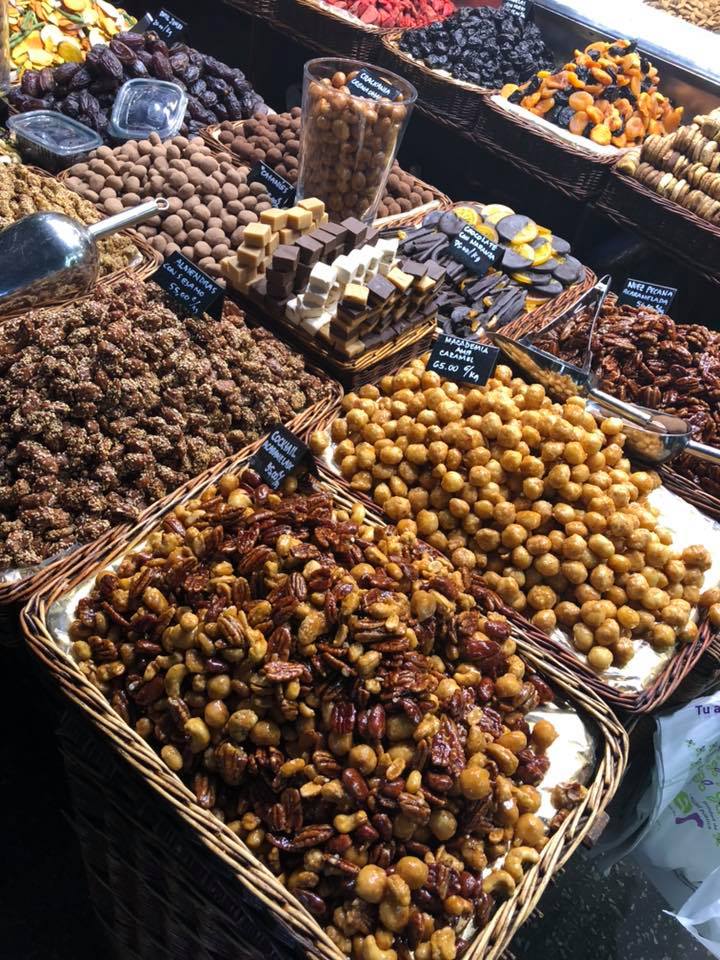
x=628 y=410
x=703 y=451
x=128 y=218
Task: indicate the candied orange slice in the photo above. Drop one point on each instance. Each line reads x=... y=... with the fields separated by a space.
x=467 y=214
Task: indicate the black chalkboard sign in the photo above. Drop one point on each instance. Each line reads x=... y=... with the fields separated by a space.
x=640 y=293
x=370 y=85
x=282 y=193
x=168 y=26
x=474 y=250
x=276 y=459
x=463 y=361
x=189 y=286
x=521 y=8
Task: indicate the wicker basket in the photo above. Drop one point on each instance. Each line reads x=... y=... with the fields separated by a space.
x=255 y=8
x=575 y=170
x=670 y=226
x=440 y=200
x=170 y=881
x=455 y=103
x=146 y=262
x=320 y=27
x=20 y=590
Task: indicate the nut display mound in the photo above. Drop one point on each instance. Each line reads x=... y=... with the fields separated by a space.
x=683 y=166
x=22 y=191
x=703 y=13
x=342 y=699
x=538 y=496
x=86 y=90
x=209 y=199
x=535 y=267
x=112 y=402
x=485 y=46
x=46 y=35
x=646 y=358
x=274 y=138
x=609 y=92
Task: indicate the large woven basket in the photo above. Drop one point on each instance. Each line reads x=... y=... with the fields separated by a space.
x=321 y=27
x=255 y=8
x=146 y=262
x=683 y=234
x=573 y=169
x=302 y=425
x=440 y=200
x=455 y=103
x=173 y=883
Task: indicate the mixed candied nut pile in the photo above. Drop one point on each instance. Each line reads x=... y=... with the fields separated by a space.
x=342 y=698
x=22 y=192
x=112 y=402
x=536 y=495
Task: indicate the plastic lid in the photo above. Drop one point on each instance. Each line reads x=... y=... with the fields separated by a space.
x=54 y=132
x=146 y=106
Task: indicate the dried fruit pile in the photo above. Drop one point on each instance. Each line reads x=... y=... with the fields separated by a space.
x=647 y=358
x=342 y=699
x=609 y=92
x=535 y=267
x=683 y=166
x=112 y=402
x=46 y=33
x=22 y=191
x=86 y=91
x=395 y=13
x=481 y=45
x=274 y=138
x=536 y=495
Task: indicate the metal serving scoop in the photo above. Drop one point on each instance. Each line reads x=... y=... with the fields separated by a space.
x=652 y=436
x=48 y=257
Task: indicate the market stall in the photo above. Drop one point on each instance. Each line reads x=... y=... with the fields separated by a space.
x=356 y=521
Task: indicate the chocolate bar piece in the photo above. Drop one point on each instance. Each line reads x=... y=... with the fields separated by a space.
x=434 y=270
x=329 y=241
x=338 y=231
x=356 y=233
x=279 y=285
x=285 y=258
x=309 y=249
x=414 y=268
x=380 y=289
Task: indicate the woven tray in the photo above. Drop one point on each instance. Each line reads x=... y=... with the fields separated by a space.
x=20 y=590
x=147 y=260
x=683 y=234
x=171 y=881
x=440 y=200
x=455 y=103
x=254 y=8
x=573 y=169
x=322 y=28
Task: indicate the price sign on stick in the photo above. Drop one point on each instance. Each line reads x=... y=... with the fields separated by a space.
x=463 y=361
x=190 y=287
x=640 y=293
x=279 y=455
x=474 y=250
x=168 y=26
x=281 y=192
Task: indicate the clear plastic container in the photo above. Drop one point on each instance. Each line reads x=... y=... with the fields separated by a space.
x=143 y=107
x=349 y=141
x=51 y=140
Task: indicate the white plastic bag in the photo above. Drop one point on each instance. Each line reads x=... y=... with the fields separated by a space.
x=680 y=849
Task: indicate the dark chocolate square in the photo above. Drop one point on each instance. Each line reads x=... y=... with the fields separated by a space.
x=356 y=233
x=434 y=270
x=285 y=258
x=310 y=249
x=381 y=289
x=279 y=285
x=414 y=268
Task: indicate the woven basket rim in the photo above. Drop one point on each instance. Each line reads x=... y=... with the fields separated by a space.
x=317 y=7
x=303 y=423
x=390 y=40
x=669 y=206
x=529 y=126
x=251 y=873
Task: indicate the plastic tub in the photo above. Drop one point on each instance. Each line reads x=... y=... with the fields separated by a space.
x=354 y=117
x=51 y=140
x=144 y=106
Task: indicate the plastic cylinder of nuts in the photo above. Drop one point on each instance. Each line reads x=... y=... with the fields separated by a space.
x=348 y=141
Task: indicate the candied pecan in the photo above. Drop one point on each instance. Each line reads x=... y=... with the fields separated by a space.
x=342 y=719
x=279 y=671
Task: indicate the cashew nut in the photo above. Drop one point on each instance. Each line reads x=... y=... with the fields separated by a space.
x=516 y=860
x=499 y=882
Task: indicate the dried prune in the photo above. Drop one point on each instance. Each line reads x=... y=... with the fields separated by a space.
x=81 y=78
x=160 y=66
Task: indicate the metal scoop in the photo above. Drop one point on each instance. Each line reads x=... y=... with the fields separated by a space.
x=652 y=436
x=48 y=257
